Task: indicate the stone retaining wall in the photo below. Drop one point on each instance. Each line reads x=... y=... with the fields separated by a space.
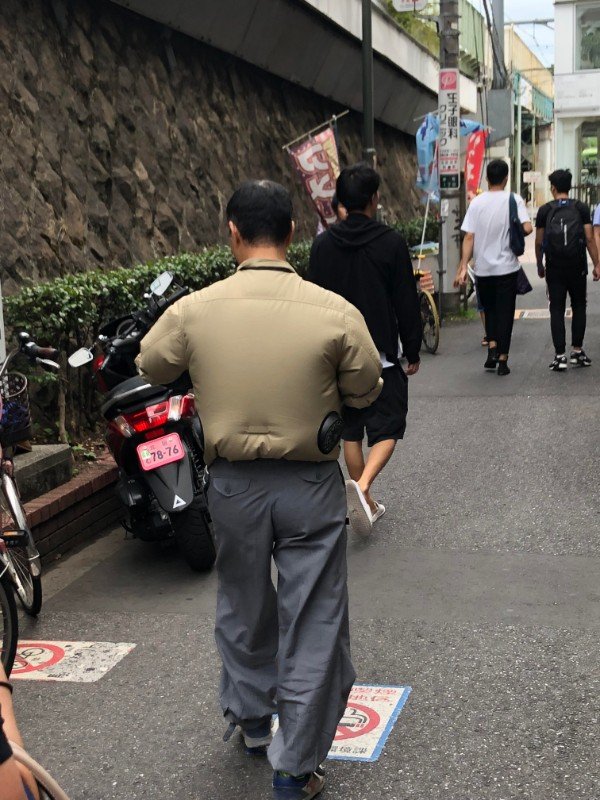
x=121 y=140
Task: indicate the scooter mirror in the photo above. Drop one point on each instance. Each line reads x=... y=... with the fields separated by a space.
x=81 y=357
x=161 y=284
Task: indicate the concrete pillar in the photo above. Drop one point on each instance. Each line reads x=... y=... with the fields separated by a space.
x=545 y=163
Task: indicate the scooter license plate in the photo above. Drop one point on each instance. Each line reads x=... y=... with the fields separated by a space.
x=159 y=452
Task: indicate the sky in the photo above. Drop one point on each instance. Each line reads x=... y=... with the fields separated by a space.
x=538 y=38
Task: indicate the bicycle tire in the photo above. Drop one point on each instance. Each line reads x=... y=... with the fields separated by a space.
x=431 y=321
x=9 y=621
x=49 y=788
x=28 y=584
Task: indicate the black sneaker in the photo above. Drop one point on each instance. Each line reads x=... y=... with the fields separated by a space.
x=559 y=363
x=579 y=358
x=503 y=368
x=492 y=359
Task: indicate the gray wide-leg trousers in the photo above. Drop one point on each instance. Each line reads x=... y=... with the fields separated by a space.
x=284 y=651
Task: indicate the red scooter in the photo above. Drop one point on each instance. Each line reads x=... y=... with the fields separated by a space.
x=154 y=435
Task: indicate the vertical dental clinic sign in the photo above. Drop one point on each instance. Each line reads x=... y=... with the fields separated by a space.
x=449 y=136
x=406 y=6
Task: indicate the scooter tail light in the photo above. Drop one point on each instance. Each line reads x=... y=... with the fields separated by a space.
x=175 y=408
x=122 y=426
x=156 y=416
x=181 y=406
x=188 y=405
x=148 y=418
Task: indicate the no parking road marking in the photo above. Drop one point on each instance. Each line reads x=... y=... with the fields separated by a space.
x=79 y=662
x=369 y=718
x=371 y=714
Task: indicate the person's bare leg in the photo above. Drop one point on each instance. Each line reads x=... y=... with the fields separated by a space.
x=12 y=732
x=355 y=460
x=378 y=457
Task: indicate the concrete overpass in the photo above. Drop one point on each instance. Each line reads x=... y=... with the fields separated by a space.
x=316 y=44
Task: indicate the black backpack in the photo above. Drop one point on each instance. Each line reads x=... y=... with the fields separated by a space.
x=564 y=235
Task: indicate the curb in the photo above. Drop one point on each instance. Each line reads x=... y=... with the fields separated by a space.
x=74 y=512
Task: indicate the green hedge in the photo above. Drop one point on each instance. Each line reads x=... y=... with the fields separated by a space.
x=68 y=312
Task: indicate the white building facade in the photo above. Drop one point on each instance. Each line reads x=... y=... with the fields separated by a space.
x=577 y=93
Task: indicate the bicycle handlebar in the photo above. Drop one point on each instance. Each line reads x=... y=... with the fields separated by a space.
x=35 y=351
x=44 y=356
x=46 y=363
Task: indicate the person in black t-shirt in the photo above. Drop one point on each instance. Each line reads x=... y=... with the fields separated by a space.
x=563 y=234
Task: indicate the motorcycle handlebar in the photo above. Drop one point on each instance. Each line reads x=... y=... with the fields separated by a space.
x=176 y=296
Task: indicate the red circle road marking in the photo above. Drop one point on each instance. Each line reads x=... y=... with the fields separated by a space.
x=50 y=653
x=357 y=721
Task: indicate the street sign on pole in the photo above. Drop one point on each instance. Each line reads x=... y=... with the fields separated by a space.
x=409 y=5
x=449 y=141
x=449 y=153
x=532 y=177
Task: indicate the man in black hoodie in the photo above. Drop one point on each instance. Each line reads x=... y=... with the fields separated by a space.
x=369 y=265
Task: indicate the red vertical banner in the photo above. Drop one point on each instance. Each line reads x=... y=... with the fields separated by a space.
x=474 y=162
x=316 y=161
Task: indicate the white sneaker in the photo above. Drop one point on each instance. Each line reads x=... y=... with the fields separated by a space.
x=379 y=512
x=359 y=513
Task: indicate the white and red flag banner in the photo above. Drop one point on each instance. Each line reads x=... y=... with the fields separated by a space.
x=474 y=161
x=316 y=161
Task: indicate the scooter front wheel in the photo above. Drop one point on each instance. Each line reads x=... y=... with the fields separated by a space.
x=193 y=535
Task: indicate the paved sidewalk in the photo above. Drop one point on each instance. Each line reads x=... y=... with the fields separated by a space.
x=479 y=589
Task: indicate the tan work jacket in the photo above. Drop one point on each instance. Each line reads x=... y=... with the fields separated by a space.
x=270 y=355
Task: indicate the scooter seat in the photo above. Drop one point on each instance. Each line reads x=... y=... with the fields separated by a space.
x=132 y=392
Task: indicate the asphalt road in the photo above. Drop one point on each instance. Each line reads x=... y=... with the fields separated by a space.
x=479 y=589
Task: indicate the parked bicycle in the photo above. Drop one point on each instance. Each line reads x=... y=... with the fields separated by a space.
x=9 y=620
x=47 y=787
x=20 y=563
x=430 y=318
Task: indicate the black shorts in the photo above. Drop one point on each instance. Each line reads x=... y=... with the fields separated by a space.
x=386 y=418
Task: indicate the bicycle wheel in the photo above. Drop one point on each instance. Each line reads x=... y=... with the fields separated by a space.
x=431 y=321
x=48 y=787
x=23 y=558
x=9 y=620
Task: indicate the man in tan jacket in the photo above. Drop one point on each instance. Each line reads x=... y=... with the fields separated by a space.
x=271 y=356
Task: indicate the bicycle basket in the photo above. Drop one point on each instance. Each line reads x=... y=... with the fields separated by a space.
x=15 y=422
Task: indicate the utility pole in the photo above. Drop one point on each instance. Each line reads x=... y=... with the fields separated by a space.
x=449 y=148
x=518 y=148
x=497 y=33
x=369 y=154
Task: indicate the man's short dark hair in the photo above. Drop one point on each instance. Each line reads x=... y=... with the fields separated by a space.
x=356 y=186
x=262 y=212
x=497 y=172
x=335 y=203
x=562 y=180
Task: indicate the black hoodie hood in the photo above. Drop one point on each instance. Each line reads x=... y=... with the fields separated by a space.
x=369 y=264
x=357 y=231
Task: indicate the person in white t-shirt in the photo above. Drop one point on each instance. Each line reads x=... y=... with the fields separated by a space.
x=487 y=241
x=597 y=227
